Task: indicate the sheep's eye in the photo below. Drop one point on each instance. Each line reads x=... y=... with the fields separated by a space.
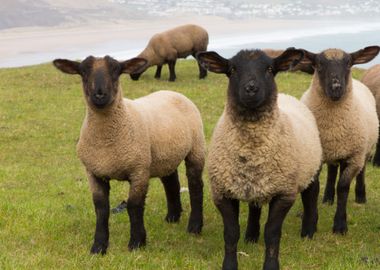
x=270 y=70
x=233 y=70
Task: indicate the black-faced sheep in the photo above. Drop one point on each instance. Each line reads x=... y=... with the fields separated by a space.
x=135 y=140
x=371 y=79
x=345 y=112
x=167 y=47
x=265 y=148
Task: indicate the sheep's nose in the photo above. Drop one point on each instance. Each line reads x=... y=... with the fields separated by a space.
x=100 y=94
x=251 y=88
x=336 y=85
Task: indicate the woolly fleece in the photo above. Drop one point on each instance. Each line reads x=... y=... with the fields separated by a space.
x=371 y=79
x=255 y=161
x=148 y=136
x=178 y=42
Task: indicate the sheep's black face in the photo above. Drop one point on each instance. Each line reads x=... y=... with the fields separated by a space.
x=251 y=82
x=100 y=76
x=100 y=79
x=251 y=75
x=334 y=69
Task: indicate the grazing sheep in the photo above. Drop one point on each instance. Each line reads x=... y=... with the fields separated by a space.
x=371 y=79
x=345 y=112
x=134 y=140
x=264 y=149
x=301 y=66
x=168 y=46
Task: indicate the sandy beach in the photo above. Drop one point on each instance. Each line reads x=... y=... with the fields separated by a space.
x=124 y=39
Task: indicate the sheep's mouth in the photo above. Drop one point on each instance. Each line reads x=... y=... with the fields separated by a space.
x=100 y=103
x=335 y=95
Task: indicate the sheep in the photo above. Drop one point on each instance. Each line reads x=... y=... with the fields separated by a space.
x=264 y=148
x=167 y=47
x=135 y=140
x=301 y=66
x=347 y=121
x=371 y=79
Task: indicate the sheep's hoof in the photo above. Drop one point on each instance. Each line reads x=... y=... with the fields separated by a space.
x=99 y=248
x=360 y=199
x=340 y=228
x=195 y=227
x=135 y=244
x=251 y=238
x=252 y=235
x=120 y=208
x=308 y=232
x=172 y=217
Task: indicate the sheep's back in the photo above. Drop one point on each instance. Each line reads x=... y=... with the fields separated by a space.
x=371 y=79
x=182 y=41
x=175 y=128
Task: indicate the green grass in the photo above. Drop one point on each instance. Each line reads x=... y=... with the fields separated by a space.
x=46 y=213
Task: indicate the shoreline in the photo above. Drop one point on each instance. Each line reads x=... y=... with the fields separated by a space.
x=125 y=39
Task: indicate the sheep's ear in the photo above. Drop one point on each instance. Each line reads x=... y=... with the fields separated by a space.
x=309 y=58
x=287 y=60
x=214 y=62
x=67 y=66
x=364 y=55
x=134 y=65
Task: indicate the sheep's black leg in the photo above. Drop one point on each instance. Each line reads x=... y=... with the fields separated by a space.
x=360 y=195
x=202 y=71
x=158 y=72
x=310 y=206
x=229 y=210
x=253 y=225
x=172 y=188
x=278 y=209
x=100 y=195
x=135 y=207
x=172 y=75
x=348 y=171
x=376 y=159
x=332 y=171
x=195 y=182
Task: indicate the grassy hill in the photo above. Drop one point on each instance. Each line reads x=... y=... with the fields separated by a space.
x=46 y=213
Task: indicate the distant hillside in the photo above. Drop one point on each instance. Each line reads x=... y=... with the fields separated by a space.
x=22 y=13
